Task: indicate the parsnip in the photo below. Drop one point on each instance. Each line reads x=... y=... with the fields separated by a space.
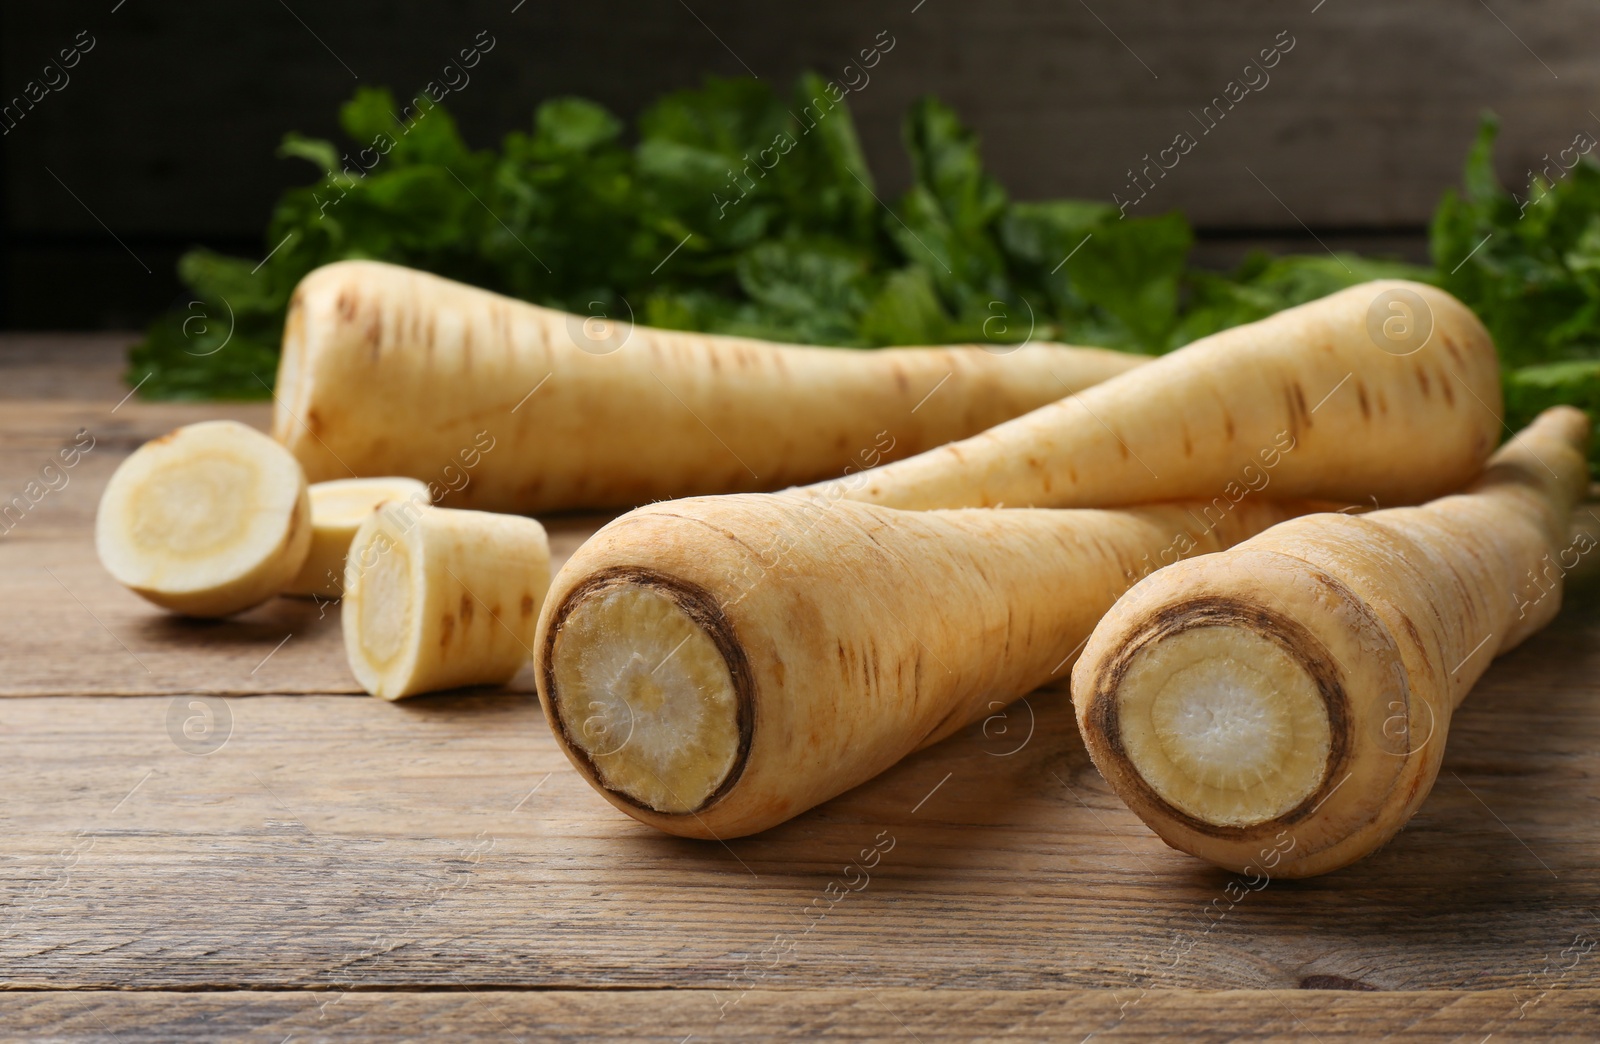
x=209 y=519
x=1282 y=707
x=437 y=598
x=337 y=510
x=715 y=666
x=1367 y=413
x=387 y=371
x=1581 y=565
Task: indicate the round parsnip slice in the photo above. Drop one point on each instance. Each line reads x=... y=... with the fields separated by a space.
x=207 y=520
x=337 y=510
x=437 y=598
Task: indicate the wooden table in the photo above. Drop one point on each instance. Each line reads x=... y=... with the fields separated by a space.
x=307 y=862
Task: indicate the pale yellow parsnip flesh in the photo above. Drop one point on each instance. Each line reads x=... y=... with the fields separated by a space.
x=385 y=609
x=642 y=690
x=1224 y=725
x=185 y=513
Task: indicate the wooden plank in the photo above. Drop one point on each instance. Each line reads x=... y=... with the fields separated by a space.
x=74 y=630
x=63 y=366
x=855 y=1013
x=337 y=841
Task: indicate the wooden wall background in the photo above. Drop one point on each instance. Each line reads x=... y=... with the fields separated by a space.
x=165 y=133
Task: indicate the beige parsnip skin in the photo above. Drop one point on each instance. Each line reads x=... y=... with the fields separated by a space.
x=715 y=666
x=437 y=598
x=1370 y=416
x=1352 y=636
x=388 y=371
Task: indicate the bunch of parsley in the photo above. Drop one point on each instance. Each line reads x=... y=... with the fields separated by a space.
x=1530 y=267
x=725 y=212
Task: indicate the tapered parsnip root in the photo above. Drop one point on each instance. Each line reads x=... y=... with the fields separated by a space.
x=716 y=666
x=437 y=598
x=337 y=510
x=207 y=520
x=1282 y=708
x=1367 y=407
x=394 y=372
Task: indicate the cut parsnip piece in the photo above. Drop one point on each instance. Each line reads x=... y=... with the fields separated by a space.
x=1388 y=389
x=391 y=371
x=1282 y=708
x=207 y=520
x=716 y=666
x=337 y=510
x=437 y=598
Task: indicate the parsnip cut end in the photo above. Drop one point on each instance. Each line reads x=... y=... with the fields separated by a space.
x=337 y=510
x=383 y=593
x=1224 y=725
x=644 y=692
x=208 y=520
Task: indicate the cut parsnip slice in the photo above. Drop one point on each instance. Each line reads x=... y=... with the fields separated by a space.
x=437 y=598
x=207 y=520
x=337 y=510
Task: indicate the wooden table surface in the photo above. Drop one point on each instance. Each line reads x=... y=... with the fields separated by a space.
x=306 y=862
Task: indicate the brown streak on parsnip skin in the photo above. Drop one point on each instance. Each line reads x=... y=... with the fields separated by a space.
x=702 y=607
x=1288 y=635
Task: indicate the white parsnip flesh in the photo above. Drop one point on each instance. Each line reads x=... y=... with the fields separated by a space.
x=388 y=371
x=1389 y=390
x=337 y=510
x=437 y=598
x=715 y=666
x=207 y=520
x=1283 y=707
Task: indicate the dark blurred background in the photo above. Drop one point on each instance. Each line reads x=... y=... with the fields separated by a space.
x=165 y=135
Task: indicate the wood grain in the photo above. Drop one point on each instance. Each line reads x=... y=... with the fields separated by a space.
x=860 y=1013
x=446 y=841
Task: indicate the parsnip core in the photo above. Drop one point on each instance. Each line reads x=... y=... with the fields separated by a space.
x=190 y=511
x=1224 y=725
x=642 y=690
x=386 y=604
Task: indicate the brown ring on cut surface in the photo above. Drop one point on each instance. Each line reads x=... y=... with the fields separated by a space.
x=1292 y=637
x=702 y=608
